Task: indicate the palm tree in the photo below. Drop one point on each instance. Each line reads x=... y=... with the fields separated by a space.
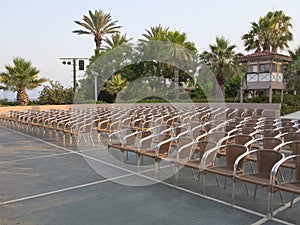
x=20 y=76
x=281 y=34
x=115 y=85
x=157 y=33
x=272 y=32
x=292 y=74
x=181 y=49
x=221 y=58
x=97 y=24
x=116 y=40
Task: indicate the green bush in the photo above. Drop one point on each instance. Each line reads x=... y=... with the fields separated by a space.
x=56 y=94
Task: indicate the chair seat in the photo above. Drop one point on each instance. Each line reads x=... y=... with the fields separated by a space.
x=255 y=178
x=289 y=164
x=293 y=187
x=130 y=148
x=115 y=145
x=221 y=170
x=195 y=164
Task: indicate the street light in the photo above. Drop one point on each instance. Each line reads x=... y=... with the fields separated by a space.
x=95 y=74
x=73 y=61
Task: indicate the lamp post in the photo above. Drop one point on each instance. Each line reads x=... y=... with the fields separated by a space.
x=95 y=74
x=73 y=61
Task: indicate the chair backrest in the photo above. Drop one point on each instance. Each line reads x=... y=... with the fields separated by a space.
x=247 y=130
x=297 y=168
x=165 y=148
x=216 y=136
x=270 y=142
x=203 y=146
x=296 y=147
x=233 y=151
x=242 y=139
x=266 y=158
x=184 y=141
x=197 y=133
x=185 y=152
x=270 y=133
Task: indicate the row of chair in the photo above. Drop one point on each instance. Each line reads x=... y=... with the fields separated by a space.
x=193 y=137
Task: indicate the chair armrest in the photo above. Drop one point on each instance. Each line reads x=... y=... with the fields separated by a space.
x=209 y=157
x=237 y=161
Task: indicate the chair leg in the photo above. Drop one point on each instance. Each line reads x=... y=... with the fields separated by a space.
x=194 y=175
x=203 y=184
x=247 y=190
x=156 y=168
x=225 y=183
x=176 y=174
x=233 y=192
x=255 y=190
x=216 y=176
x=270 y=205
x=281 y=198
x=292 y=201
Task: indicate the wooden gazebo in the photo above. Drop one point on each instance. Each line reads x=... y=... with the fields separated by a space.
x=264 y=72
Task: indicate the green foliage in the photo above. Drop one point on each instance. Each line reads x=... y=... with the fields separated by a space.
x=115 y=85
x=98 y=24
x=271 y=33
x=232 y=87
x=56 y=94
x=152 y=99
x=19 y=77
x=221 y=59
x=291 y=103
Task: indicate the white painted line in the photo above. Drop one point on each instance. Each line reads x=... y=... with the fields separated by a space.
x=62 y=190
x=265 y=219
x=34 y=158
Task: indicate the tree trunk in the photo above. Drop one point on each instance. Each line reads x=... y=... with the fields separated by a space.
x=22 y=97
x=218 y=89
x=176 y=85
x=98 y=41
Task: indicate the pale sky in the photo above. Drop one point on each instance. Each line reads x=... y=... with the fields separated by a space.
x=41 y=30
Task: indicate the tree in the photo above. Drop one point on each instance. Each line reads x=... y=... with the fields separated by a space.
x=56 y=94
x=271 y=33
x=97 y=24
x=115 y=85
x=116 y=40
x=221 y=58
x=19 y=77
x=181 y=50
x=292 y=74
x=157 y=33
x=175 y=49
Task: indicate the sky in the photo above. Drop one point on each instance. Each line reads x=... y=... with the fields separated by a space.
x=41 y=31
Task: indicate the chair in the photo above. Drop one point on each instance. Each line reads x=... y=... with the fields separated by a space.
x=292 y=185
x=240 y=139
x=195 y=162
x=233 y=151
x=121 y=139
x=266 y=159
x=181 y=155
x=161 y=151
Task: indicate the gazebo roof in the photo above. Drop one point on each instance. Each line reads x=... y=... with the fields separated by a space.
x=264 y=55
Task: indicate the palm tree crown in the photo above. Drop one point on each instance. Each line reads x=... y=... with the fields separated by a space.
x=221 y=59
x=116 y=40
x=97 y=24
x=271 y=33
x=20 y=76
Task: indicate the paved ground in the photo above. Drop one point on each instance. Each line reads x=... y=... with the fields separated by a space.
x=42 y=182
